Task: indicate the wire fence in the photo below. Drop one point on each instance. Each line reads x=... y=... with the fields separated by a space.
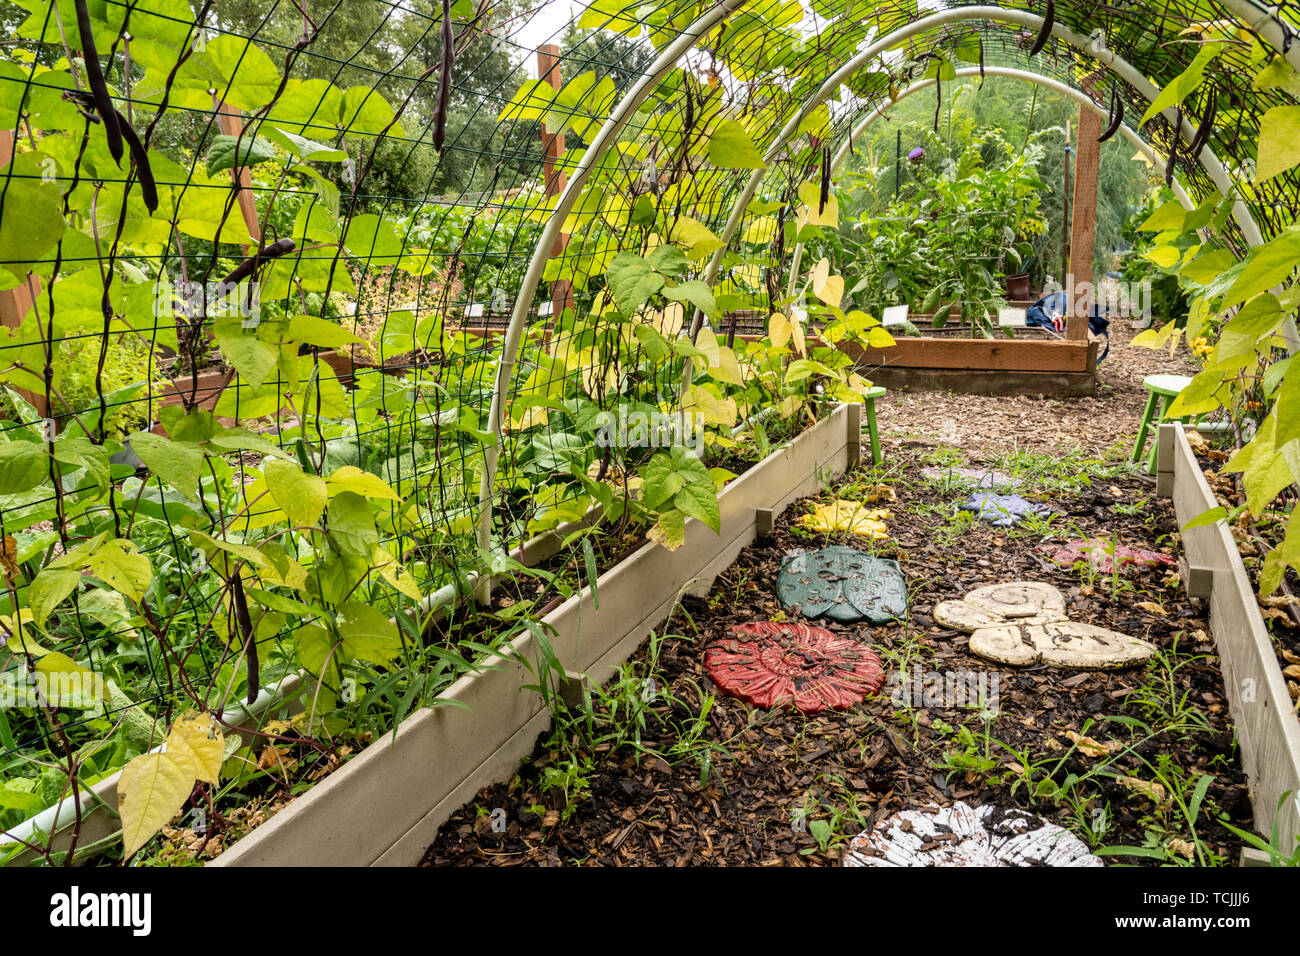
x=250 y=240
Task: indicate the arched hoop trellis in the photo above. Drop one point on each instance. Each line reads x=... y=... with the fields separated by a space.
x=1085 y=45
x=1267 y=26
x=1027 y=76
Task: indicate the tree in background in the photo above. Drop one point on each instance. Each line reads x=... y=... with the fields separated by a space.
x=388 y=46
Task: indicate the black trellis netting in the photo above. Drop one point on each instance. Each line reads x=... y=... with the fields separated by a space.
x=259 y=262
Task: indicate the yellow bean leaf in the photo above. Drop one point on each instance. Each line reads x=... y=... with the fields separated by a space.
x=199 y=739
x=150 y=791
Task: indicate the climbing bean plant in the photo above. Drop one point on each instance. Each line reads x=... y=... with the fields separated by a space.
x=294 y=525
x=1244 y=301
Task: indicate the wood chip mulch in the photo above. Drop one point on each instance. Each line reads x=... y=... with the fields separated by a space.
x=857 y=767
x=776 y=780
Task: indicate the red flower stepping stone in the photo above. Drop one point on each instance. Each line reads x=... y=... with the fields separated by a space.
x=768 y=664
x=1098 y=553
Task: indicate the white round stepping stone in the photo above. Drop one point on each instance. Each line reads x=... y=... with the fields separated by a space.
x=1024 y=602
x=1060 y=644
x=962 y=835
x=1019 y=599
x=1023 y=622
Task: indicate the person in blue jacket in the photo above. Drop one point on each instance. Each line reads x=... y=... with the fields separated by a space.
x=1050 y=311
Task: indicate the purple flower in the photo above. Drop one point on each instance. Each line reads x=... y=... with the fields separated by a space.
x=916 y=155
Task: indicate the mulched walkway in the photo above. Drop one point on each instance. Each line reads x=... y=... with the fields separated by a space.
x=1001 y=423
x=851 y=769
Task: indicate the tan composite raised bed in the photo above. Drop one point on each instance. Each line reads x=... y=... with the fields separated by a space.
x=385 y=806
x=1262 y=711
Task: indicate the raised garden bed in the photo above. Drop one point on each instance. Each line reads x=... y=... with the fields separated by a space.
x=1262 y=708
x=205 y=389
x=1020 y=366
x=758 y=787
x=202 y=390
x=386 y=805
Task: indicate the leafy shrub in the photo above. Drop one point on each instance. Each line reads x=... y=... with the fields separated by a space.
x=129 y=367
x=949 y=235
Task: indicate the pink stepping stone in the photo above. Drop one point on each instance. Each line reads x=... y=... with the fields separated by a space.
x=1098 y=552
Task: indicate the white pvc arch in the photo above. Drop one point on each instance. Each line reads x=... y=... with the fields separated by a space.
x=1086 y=45
x=1027 y=76
x=666 y=61
x=1207 y=158
x=663 y=64
x=1267 y=24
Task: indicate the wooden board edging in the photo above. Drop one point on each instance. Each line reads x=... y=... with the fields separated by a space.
x=1261 y=707
x=996 y=355
x=385 y=806
x=984 y=382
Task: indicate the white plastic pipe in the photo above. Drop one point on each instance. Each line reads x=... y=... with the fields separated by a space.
x=1027 y=76
x=663 y=64
x=1265 y=22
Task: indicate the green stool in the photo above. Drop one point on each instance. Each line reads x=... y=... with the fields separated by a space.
x=1164 y=387
x=869 y=400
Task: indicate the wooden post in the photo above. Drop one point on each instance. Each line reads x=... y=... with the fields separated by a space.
x=1065 y=216
x=548 y=69
x=17 y=302
x=231 y=122
x=1087 y=163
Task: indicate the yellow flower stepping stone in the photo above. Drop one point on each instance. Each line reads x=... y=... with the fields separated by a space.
x=850 y=516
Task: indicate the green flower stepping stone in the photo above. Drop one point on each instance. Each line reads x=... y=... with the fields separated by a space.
x=843 y=584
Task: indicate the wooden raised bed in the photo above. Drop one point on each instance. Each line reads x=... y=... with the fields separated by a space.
x=212 y=382
x=1061 y=367
x=204 y=392
x=1262 y=711
x=385 y=806
x=1003 y=366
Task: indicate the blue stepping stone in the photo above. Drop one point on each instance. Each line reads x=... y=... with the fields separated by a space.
x=1003 y=510
x=843 y=584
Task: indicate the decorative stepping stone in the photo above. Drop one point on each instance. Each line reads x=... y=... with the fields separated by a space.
x=1070 y=644
x=1102 y=555
x=843 y=584
x=1023 y=622
x=962 y=835
x=1019 y=599
x=971 y=477
x=849 y=516
x=769 y=664
x=1022 y=602
x=960 y=616
x=1002 y=510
